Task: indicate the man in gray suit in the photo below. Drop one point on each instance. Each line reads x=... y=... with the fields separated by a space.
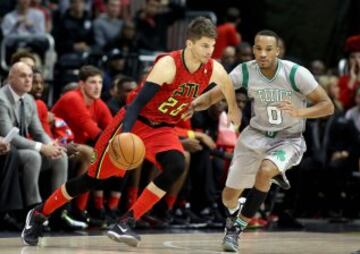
x=17 y=108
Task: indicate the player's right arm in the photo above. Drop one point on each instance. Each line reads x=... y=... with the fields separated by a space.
x=215 y=95
x=163 y=71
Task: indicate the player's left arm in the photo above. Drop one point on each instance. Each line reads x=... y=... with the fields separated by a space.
x=163 y=71
x=321 y=103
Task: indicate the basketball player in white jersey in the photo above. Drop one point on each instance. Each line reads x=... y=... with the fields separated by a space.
x=273 y=141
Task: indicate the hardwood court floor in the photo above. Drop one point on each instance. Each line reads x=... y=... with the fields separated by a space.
x=193 y=243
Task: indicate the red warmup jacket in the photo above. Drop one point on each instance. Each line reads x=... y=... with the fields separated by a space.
x=86 y=121
x=43 y=116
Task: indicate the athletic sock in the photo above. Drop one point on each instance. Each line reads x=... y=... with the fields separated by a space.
x=170 y=201
x=233 y=210
x=82 y=201
x=132 y=194
x=56 y=200
x=99 y=202
x=144 y=203
x=113 y=202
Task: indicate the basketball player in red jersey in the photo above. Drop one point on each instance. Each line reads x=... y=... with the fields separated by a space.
x=156 y=106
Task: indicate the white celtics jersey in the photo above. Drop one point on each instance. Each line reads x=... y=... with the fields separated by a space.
x=291 y=82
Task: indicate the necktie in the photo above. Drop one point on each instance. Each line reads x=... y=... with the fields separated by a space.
x=22 y=126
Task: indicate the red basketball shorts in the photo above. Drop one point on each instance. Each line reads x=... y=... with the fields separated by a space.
x=156 y=140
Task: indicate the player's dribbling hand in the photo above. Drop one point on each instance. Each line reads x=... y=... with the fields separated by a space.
x=289 y=108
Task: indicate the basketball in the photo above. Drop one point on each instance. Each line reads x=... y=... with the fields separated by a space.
x=126 y=151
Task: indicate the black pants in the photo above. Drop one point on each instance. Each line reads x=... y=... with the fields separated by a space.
x=10 y=190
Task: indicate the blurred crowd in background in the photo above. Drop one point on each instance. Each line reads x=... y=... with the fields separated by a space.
x=69 y=42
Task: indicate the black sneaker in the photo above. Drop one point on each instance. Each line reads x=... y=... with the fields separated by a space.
x=97 y=218
x=33 y=227
x=75 y=219
x=232 y=233
x=155 y=222
x=194 y=221
x=281 y=181
x=122 y=232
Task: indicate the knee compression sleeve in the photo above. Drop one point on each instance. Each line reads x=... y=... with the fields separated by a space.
x=173 y=165
x=81 y=184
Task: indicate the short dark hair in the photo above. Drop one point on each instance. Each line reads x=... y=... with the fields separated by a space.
x=89 y=71
x=269 y=33
x=21 y=54
x=201 y=27
x=119 y=80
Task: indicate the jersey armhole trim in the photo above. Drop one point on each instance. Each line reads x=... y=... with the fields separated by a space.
x=245 y=73
x=292 y=77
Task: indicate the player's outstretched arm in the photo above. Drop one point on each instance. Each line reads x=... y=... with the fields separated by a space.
x=207 y=99
x=321 y=105
x=222 y=79
x=162 y=72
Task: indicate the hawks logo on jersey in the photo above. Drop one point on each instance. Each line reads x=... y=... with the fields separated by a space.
x=187 y=89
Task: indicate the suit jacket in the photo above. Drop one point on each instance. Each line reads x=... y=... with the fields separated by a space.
x=9 y=117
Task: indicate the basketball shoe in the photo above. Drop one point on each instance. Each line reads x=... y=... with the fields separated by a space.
x=122 y=231
x=233 y=229
x=33 y=227
x=281 y=181
x=232 y=233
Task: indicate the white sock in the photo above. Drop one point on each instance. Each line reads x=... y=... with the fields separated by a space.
x=233 y=210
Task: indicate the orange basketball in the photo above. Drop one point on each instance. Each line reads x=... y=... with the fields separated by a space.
x=126 y=151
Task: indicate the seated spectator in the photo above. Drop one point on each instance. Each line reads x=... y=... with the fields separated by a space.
x=228 y=58
x=23 y=20
x=331 y=86
x=46 y=118
x=10 y=190
x=99 y=7
x=227 y=33
x=108 y=25
x=350 y=82
x=114 y=64
x=244 y=105
x=91 y=115
x=120 y=89
x=243 y=53
x=64 y=5
x=127 y=40
x=152 y=23
x=353 y=113
x=77 y=25
x=317 y=68
x=37 y=4
x=36 y=151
